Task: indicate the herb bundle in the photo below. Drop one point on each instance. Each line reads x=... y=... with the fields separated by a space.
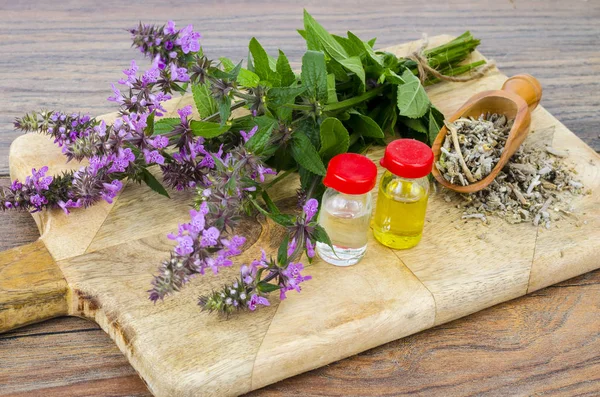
x=347 y=97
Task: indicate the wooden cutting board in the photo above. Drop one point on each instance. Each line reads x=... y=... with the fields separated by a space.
x=98 y=264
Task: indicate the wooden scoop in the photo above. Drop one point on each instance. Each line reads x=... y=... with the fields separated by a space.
x=516 y=100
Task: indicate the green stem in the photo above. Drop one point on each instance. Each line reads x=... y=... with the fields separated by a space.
x=243 y=95
x=308 y=108
x=455 y=71
x=348 y=103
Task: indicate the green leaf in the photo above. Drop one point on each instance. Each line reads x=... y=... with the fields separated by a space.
x=164 y=126
x=249 y=62
x=230 y=74
x=334 y=138
x=312 y=41
x=331 y=93
x=262 y=63
x=330 y=45
x=349 y=46
x=306 y=155
x=310 y=128
x=273 y=64
x=208 y=129
x=354 y=64
x=260 y=139
x=248 y=79
x=149 y=130
x=371 y=42
x=321 y=236
x=385 y=115
x=285 y=70
x=412 y=99
x=436 y=121
x=341 y=75
x=281 y=219
x=277 y=97
x=390 y=60
x=414 y=124
x=270 y=204
x=309 y=180
x=282 y=255
x=225 y=110
x=153 y=183
x=368 y=49
x=205 y=104
x=227 y=63
x=365 y=126
x=314 y=75
x=266 y=287
x=391 y=77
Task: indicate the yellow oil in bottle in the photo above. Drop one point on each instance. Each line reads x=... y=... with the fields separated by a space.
x=400 y=212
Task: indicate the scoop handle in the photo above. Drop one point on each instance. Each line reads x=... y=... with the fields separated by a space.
x=32 y=287
x=527 y=87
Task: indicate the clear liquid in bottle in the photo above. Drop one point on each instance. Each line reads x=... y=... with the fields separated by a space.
x=346 y=219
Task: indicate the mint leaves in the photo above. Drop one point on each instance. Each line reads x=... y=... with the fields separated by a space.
x=204 y=101
x=334 y=138
x=412 y=100
x=262 y=64
x=314 y=75
x=306 y=155
x=318 y=37
x=347 y=96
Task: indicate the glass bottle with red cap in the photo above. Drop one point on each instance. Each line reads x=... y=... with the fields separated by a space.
x=346 y=208
x=403 y=193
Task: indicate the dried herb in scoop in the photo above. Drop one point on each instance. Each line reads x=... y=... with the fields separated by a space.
x=473 y=147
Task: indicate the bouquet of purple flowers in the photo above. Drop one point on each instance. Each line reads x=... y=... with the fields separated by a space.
x=346 y=98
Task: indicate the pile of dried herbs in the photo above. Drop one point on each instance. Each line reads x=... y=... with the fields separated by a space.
x=535 y=186
x=473 y=147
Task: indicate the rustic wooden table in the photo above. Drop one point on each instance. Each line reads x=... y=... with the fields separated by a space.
x=63 y=56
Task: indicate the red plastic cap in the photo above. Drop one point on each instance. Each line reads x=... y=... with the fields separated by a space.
x=351 y=173
x=408 y=158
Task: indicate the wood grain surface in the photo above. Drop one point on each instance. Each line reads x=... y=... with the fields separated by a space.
x=33 y=286
x=552 y=41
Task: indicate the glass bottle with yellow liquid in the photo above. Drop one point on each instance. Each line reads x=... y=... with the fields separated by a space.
x=403 y=194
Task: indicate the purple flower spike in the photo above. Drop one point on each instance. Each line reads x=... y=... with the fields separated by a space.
x=130 y=75
x=153 y=157
x=310 y=209
x=188 y=40
x=179 y=74
x=170 y=28
x=159 y=142
x=184 y=112
x=185 y=245
x=38 y=200
x=69 y=204
x=210 y=237
x=291 y=279
x=257 y=300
